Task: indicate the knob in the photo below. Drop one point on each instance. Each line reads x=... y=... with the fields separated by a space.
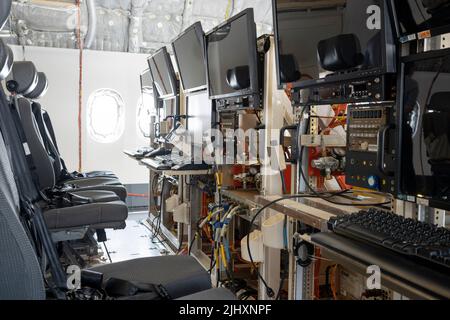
x=373 y=182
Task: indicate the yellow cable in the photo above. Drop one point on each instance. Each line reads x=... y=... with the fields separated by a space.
x=228 y=12
x=224 y=257
x=216 y=257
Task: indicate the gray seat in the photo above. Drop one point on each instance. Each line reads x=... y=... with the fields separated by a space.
x=48 y=166
x=217 y=294
x=108 y=215
x=101 y=214
x=5 y=8
x=180 y=275
x=21 y=276
x=46 y=130
x=20 y=273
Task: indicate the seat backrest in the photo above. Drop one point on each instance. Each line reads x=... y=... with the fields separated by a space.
x=23 y=73
x=20 y=273
x=46 y=128
x=6 y=60
x=5 y=8
x=42 y=161
x=47 y=139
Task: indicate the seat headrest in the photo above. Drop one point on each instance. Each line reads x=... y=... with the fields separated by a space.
x=239 y=78
x=5 y=9
x=23 y=78
x=340 y=53
x=6 y=60
x=40 y=89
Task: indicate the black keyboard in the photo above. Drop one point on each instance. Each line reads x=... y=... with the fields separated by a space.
x=139 y=153
x=406 y=236
x=156 y=164
x=180 y=163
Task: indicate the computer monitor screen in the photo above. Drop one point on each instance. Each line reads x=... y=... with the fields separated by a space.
x=163 y=73
x=415 y=16
x=425 y=130
x=146 y=81
x=189 y=53
x=232 y=65
x=323 y=41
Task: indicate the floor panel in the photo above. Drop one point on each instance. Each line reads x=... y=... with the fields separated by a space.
x=135 y=241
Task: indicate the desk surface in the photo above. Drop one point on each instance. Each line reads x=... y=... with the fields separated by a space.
x=148 y=164
x=315 y=211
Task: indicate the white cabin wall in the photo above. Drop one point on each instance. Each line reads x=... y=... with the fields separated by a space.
x=114 y=70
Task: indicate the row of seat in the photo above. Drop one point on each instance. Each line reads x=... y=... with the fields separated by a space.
x=74 y=204
x=40 y=200
x=103 y=196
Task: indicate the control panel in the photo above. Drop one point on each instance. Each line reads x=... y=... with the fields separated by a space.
x=240 y=103
x=369 y=90
x=364 y=125
x=371 y=147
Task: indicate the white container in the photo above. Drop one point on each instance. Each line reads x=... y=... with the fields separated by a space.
x=172 y=203
x=272 y=230
x=181 y=213
x=256 y=247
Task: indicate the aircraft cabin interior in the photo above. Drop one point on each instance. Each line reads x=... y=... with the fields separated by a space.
x=198 y=150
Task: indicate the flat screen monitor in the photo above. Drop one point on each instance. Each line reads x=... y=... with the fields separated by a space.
x=189 y=51
x=425 y=128
x=232 y=60
x=414 y=16
x=163 y=73
x=331 y=41
x=146 y=81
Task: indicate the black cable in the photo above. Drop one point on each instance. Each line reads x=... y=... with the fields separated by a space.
x=323 y=195
x=181 y=232
x=212 y=265
x=283 y=182
x=283 y=279
x=192 y=243
x=158 y=229
x=269 y=291
x=259 y=118
x=318 y=195
x=311 y=189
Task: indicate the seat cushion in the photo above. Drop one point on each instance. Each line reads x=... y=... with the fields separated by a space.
x=97 y=196
x=180 y=275
x=106 y=214
x=96 y=181
x=120 y=191
x=212 y=294
x=103 y=174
